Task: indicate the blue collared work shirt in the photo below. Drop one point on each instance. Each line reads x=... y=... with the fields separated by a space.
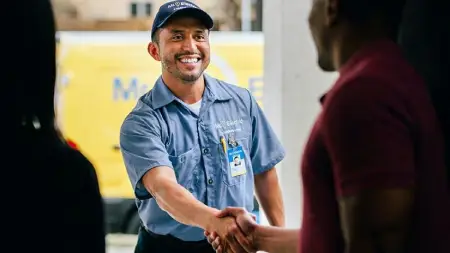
x=161 y=131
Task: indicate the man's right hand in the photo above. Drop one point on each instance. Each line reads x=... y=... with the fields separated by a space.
x=231 y=236
x=240 y=239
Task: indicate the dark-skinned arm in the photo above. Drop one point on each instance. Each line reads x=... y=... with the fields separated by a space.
x=376 y=221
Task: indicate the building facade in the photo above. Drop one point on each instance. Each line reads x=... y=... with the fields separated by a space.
x=120 y=14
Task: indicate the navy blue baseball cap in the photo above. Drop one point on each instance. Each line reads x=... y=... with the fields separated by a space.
x=175 y=8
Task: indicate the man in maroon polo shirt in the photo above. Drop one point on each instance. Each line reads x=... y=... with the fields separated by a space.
x=373 y=168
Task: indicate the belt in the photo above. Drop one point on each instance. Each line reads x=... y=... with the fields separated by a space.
x=170 y=239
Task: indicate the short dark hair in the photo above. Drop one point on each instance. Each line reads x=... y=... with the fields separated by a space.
x=358 y=11
x=155 y=36
x=388 y=12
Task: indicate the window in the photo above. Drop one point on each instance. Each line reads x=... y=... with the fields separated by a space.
x=134 y=9
x=148 y=9
x=139 y=10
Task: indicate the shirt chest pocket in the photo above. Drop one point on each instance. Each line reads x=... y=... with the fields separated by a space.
x=236 y=166
x=186 y=167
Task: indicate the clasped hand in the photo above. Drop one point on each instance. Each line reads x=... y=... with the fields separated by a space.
x=233 y=232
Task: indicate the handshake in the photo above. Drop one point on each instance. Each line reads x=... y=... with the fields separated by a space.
x=233 y=230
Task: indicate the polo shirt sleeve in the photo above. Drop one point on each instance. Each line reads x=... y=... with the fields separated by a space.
x=266 y=150
x=366 y=130
x=142 y=149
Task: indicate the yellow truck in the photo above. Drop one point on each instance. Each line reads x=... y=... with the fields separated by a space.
x=100 y=77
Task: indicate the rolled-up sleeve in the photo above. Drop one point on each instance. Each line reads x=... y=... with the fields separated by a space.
x=266 y=150
x=142 y=149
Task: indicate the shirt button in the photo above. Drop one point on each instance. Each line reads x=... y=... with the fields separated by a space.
x=210 y=181
x=206 y=151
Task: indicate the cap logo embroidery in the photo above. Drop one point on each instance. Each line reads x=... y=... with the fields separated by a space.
x=181 y=5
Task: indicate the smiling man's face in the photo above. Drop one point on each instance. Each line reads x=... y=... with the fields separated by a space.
x=183 y=48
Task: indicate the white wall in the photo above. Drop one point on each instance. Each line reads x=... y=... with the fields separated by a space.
x=292 y=86
x=120 y=9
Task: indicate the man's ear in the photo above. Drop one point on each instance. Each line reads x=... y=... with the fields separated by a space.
x=331 y=12
x=153 y=50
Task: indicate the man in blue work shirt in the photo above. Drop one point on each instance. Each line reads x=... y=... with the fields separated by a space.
x=180 y=141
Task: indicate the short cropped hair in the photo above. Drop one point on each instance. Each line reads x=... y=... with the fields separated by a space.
x=356 y=11
x=155 y=36
x=389 y=12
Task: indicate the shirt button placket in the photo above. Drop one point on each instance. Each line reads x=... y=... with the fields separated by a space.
x=207 y=160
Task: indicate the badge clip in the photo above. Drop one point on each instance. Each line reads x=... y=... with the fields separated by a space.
x=232 y=141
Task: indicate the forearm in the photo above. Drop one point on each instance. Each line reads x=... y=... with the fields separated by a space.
x=377 y=220
x=181 y=205
x=274 y=239
x=268 y=192
x=387 y=242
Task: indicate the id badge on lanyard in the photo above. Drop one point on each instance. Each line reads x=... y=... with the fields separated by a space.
x=236 y=157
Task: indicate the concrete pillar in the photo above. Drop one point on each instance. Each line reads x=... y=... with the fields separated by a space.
x=292 y=86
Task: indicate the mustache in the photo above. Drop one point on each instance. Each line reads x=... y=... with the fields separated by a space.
x=187 y=53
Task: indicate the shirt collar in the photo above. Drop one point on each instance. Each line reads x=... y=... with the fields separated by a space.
x=322 y=98
x=379 y=47
x=162 y=96
x=215 y=90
